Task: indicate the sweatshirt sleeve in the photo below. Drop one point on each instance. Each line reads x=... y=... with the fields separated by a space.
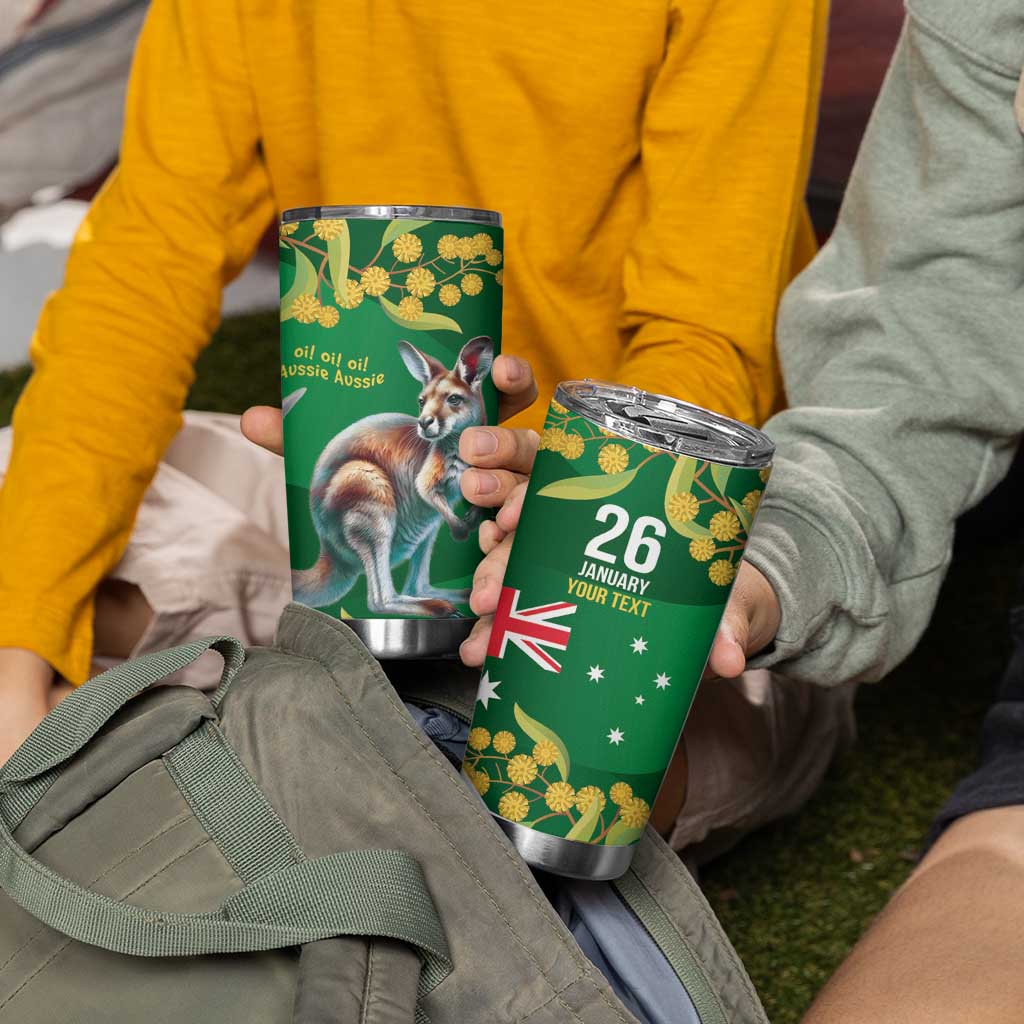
x=725 y=149
x=903 y=353
x=114 y=350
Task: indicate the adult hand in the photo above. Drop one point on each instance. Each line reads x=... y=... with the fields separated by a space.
x=26 y=685
x=262 y=424
x=749 y=624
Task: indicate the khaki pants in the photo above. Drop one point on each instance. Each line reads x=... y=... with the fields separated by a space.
x=210 y=553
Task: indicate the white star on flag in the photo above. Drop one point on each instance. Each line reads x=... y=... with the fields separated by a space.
x=661 y=680
x=639 y=645
x=616 y=736
x=596 y=673
x=639 y=698
x=488 y=690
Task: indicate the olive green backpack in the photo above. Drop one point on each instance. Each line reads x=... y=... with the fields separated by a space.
x=300 y=847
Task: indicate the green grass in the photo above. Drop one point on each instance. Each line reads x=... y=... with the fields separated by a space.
x=795 y=896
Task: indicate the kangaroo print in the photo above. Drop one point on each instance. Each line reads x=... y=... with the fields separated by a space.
x=389 y=328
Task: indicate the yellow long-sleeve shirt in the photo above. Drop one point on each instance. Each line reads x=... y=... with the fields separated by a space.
x=649 y=160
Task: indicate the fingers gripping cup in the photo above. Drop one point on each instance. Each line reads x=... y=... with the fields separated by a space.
x=390 y=323
x=629 y=539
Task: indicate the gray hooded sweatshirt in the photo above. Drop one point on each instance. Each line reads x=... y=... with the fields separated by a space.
x=902 y=347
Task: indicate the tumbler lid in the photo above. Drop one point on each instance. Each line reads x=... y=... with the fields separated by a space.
x=464 y=214
x=667 y=423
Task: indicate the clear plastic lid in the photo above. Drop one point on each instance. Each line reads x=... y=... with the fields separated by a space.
x=464 y=214
x=667 y=423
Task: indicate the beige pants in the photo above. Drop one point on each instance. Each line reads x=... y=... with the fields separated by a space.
x=210 y=553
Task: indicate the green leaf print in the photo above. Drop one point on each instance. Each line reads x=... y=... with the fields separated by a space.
x=583 y=830
x=538 y=732
x=680 y=482
x=337 y=258
x=401 y=227
x=742 y=513
x=621 y=834
x=426 y=322
x=588 y=488
x=304 y=284
x=720 y=474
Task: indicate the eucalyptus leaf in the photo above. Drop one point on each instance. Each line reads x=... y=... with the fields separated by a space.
x=337 y=258
x=680 y=482
x=692 y=529
x=583 y=830
x=588 y=488
x=742 y=513
x=720 y=474
x=303 y=284
x=426 y=322
x=538 y=732
x=621 y=834
x=290 y=400
x=401 y=227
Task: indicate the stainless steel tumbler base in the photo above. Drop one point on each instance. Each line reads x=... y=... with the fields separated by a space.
x=412 y=638
x=566 y=856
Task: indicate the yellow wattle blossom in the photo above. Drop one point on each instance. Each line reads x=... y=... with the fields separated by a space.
x=552 y=439
x=375 y=281
x=407 y=248
x=765 y=473
x=607 y=432
x=586 y=795
x=522 y=769
x=702 y=549
x=481 y=781
x=420 y=282
x=290 y=228
x=613 y=458
x=573 y=446
x=479 y=738
x=558 y=407
x=635 y=812
x=482 y=242
x=449 y=294
x=683 y=507
x=328 y=229
x=514 y=806
x=545 y=753
x=410 y=308
x=499 y=278
x=305 y=308
x=751 y=500
x=721 y=572
x=724 y=525
x=559 y=796
x=448 y=247
x=465 y=248
x=353 y=294
x=620 y=793
x=493 y=257
x=327 y=316
x=504 y=742
x=472 y=284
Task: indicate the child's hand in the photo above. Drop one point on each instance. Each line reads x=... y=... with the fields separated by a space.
x=749 y=624
x=262 y=424
x=26 y=682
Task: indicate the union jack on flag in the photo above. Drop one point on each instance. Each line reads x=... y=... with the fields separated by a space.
x=530 y=629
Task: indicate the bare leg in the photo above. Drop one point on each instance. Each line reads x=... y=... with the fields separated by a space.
x=121 y=617
x=950 y=944
x=417 y=582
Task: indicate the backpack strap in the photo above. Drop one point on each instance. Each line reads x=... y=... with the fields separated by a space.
x=80 y=715
x=357 y=892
